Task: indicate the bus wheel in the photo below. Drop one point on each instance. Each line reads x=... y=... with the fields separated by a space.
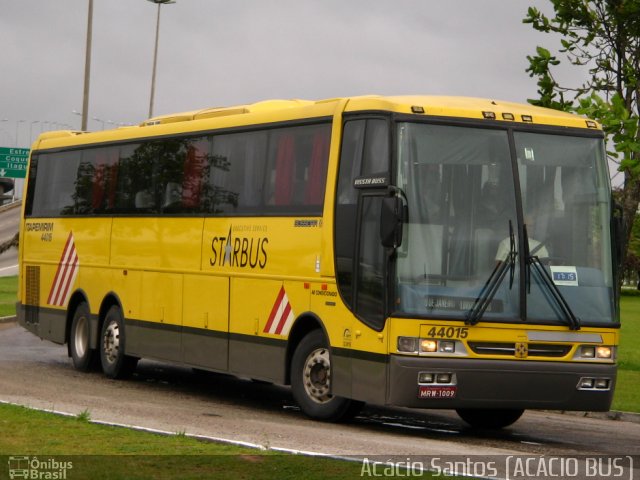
x=311 y=381
x=83 y=357
x=489 y=417
x=115 y=364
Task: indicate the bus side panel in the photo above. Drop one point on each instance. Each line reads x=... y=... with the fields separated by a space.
x=205 y=321
x=370 y=364
x=58 y=259
x=153 y=253
x=159 y=336
x=250 y=351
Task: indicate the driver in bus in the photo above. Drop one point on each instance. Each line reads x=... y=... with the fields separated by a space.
x=536 y=248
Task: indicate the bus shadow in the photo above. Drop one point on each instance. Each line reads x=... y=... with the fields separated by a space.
x=277 y=400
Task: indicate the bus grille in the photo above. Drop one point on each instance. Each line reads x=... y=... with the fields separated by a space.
x=509 y=349
x=32 y=294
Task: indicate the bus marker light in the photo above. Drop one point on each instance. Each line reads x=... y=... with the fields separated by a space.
x=443 y=378
x=489 y=115
x=417 y=109
x=508 y=116
x=527 y=118
x=602 y=383
x=425 y=377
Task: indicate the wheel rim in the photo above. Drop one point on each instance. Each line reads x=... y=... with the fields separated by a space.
x=317 y=375
x=81 y=337
x=111 y=342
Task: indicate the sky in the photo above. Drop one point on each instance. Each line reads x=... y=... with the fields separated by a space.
x=228 y=52
x=220 y=53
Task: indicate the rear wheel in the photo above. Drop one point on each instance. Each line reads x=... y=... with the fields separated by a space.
x=84 y=358
x=115 y=364
x=489 y=417
x=311 y=381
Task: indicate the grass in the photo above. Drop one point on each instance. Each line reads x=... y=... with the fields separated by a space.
x=101 y=452
x=91 y=448
x=8 y=292
x=628 y=384
x=629 y=358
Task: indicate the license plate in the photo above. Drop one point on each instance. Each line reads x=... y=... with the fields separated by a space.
x=436 y=392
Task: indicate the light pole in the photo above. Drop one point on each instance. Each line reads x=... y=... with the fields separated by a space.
x=18 y=122
x=87 y=69
x=155 y=52
x=31 y=130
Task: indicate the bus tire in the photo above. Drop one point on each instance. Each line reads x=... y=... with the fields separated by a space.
x=490 y=418
x=115 y=364
x=84 y=358
x=311 y=381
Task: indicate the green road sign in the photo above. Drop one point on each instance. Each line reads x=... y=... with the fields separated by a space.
x=13 y=162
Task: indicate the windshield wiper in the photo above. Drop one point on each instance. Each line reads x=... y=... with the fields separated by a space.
x=483 y=300
x=547 y=281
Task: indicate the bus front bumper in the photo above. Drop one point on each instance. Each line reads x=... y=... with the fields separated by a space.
x=421 y=382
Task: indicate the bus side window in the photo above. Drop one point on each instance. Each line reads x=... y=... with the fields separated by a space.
x=317 y=170
x=285 y=171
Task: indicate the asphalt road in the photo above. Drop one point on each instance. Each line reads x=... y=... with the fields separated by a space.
x=38 y=374
x=9 y=221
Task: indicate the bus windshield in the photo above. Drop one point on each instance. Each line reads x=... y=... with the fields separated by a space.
x=463 y=201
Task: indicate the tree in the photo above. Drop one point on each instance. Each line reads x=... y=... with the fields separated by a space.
x=602 y=36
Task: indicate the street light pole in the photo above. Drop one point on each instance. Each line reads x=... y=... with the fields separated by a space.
x=87 y=70
x=155 y=52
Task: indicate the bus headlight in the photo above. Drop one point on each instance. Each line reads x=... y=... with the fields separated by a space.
x=407 y=344
x=428 y=345
x=447 y=346
x=595 y=353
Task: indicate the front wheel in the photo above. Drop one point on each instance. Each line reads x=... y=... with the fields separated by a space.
x=115 y=364
x=84 y=358
x=491 y=418
x=311 y=381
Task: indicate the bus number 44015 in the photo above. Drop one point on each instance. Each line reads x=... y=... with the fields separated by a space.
x=448 y=332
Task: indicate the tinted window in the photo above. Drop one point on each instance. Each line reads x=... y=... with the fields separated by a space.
x=278 y=171
x=365 y=151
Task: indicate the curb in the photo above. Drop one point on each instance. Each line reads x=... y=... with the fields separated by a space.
x=10 y=319
x=615 y=415
x=9 y=206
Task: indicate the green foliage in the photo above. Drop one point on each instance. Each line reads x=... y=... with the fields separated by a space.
x=84 y=416
x=601 y=37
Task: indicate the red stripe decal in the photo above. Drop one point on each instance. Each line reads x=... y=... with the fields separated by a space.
x=55 y=279
x=283 y=318
x=274 y=310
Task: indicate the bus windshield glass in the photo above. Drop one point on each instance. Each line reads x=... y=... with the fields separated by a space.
x=462 y=225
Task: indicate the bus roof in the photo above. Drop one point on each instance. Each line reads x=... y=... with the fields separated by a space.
x=282 y=110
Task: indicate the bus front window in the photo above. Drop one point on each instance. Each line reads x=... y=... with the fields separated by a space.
x=566 y=205
x=465 y=243
x=461 y=202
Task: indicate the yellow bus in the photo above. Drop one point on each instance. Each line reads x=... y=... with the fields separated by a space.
x=419 y=251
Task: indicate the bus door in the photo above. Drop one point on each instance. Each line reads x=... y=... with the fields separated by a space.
x=360 y=256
